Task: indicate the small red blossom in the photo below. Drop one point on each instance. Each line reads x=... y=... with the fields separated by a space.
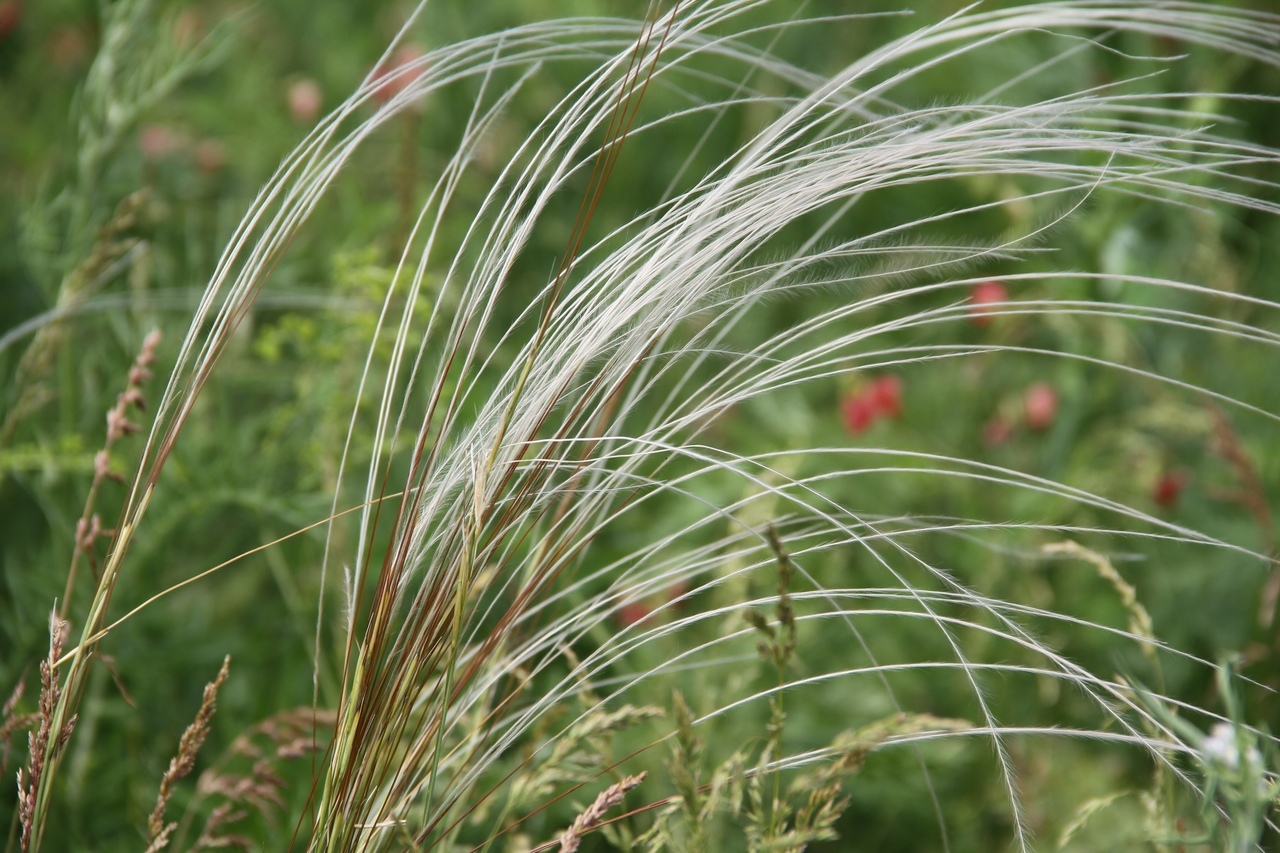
x=886 y=393
x=858 y=412
x=1168 y=488
x=633 y=613
x=1040 y=405
x=982 y=297
x=879 y=398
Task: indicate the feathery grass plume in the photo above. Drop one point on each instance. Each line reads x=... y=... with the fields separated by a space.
x=822 y=790
x=768 y=812
x=89 y=527
x=580 y=754
x=184 y=762
x=267 y=746
x=45 y=742
x=594 y=813
x=43 y=750
x=11 y=722
x=1159 y=798
x=1139 y=619
x=696 y=805
x=543 y=449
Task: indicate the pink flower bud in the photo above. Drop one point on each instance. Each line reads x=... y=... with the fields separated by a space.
x=393 y=77
x=305 y=101
x=984 y=295
x=1040 y=404
x=997 y=430
x=158 y=141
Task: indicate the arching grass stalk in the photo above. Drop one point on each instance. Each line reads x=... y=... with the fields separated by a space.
x=567 y=444
x=614 y=343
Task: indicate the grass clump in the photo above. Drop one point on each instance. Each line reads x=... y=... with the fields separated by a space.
x=687 y=411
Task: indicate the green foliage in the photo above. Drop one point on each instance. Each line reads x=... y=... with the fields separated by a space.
x=742 y=493
x=747 y=788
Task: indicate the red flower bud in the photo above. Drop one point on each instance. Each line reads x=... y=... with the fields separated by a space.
x=633 y=613
x=886 y=395
x=1169 y=487
x=858 y=412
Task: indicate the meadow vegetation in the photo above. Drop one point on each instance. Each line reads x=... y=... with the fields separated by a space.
x=735 y=425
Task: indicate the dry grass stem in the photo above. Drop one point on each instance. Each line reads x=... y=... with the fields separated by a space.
x=38 y=741
x=183 y=763
x=11 y=722
x=591 y=818
x=1252 y=496
x=89 y=528
x=289 y=735
x=1140 y=624
x=213 y=838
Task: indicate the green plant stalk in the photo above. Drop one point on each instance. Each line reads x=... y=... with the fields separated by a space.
x=79 y=664
x=460 y=594
x=327 y=816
